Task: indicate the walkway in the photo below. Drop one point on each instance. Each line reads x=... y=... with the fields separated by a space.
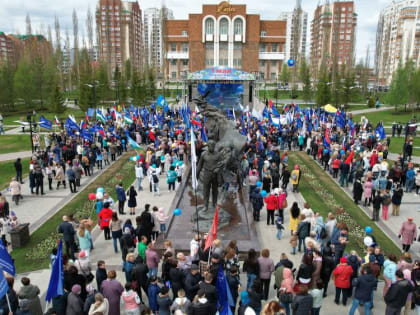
x=266 y=234
x=15 y=155
x=369 y=110
x=36 y=209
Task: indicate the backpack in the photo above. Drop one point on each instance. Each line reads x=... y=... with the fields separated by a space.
x=294 y=176
x=323 y=234
x=155 y=178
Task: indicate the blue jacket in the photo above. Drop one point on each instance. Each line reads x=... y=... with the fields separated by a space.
x=389 y=269
x=364 y=287
x=410 y=174
x=120 y=193
x=152 y=292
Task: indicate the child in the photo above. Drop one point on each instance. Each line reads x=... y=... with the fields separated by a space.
x=162 y=218
x=317 y=293
x=293 y=242
x=280 y=227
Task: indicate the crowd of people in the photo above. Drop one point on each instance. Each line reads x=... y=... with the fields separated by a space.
x=173 y=282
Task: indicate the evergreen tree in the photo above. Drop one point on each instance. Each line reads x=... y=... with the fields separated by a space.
x=323 y=92
x=284 y=75
x=151 y=82
x=24 y=82
x=102 y=89
x=305 y=78
x=349 y=88
x=337 y=90
x=57 y=101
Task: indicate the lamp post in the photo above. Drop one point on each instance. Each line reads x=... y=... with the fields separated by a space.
x=405 y=143
x=29 y=119
x=93 y=87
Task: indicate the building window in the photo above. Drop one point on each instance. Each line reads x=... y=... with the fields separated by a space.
x=185 y=62
x=274 y=47
x=237 y=27
x=273 y=76
x=185 y=47
x=263 y=33
x=262 y=63
x=210 y=62
x=224 y=25
x=209 y=27
x=273 y=63
x=263 y=47
x=223 y=54
x=210 y=54
x=173 y=62
x=173 y=47
x=237 y=63
x=184 y=33
x=173 y=75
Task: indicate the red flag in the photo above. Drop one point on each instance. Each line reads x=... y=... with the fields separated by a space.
x=195 y=122
x=213 y=230
x=327 y=136
x=151 y=135
x=348 y=160
x=270 y=103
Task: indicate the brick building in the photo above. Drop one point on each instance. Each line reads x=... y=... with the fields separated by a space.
x=119 y=28
x=7 y=49
x=225 y=35
x=333 y=31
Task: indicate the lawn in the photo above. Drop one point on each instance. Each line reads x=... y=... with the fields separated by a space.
x=15 y=143
x=7 y=171
x=35 y=254
x=324 y=195
x=10 y=120
x=396 y=145
x=388 y=116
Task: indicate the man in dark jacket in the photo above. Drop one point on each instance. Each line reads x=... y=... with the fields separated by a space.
x=234 y=284
x=257 y=203
x=140 y=272
x=71 y=176
x=100 y=274
x=66 y=228
x=18 y=168
x=210 y=291
x=344 y=174
x=364 y=286
x=119 y=189
x=192 y=282
x=202 y=305
x=396 y=297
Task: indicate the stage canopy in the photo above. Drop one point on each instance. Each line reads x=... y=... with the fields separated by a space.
x=221 y=74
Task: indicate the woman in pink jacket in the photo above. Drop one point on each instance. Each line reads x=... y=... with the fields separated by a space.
x=130 y=301
x=367 y=191
x=287 y=286
x=408 y=233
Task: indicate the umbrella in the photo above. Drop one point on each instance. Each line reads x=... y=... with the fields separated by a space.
x=330 y=109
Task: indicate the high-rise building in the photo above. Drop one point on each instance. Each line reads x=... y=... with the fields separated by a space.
x=333 y=34
x=397 y=38
x=296 y=32
x=225 y=35
x=152 y=33
x=119 y=28
x=32 y=44
x=7 y=50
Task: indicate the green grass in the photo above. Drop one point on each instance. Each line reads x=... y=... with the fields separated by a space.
x=388 y=116
x=10 y=120
x=7 y=171
x=45 y=236
x=15 y=143
x=318 y=204
x=396 y=145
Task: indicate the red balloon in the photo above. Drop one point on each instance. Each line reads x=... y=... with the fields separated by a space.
x=92 y=196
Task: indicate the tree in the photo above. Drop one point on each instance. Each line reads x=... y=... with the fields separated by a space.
x=371 y=102
x=323 y=92
x=349 y=87
x=102 y=90
x=337 y=90
x=398 y=91
x=305 y=78
x=24 y=82
x=57 y=101
x=151 y=82
x=6 y=84
x=284 y=75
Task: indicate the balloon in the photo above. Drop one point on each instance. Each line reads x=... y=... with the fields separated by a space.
x=291 y=62
x=368 y=230
x=180 y=163
x=263 y=193
x=342 y=152
x=137 y=157
x=133 y=158
x=368 y=241
x=259 y=184
x=174 y=164
x=92 y=196
x=100 y=189
x=177 y=212
x=154 y=165
x=162 y=158
x=99 y=195
x=147 y=132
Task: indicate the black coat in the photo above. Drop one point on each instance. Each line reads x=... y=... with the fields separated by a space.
x=201 y=309
x=191 y=285
x=365 y=284
x=67 y=230
x=357 y=190
x=302 y=304
x=100 y=277
x=140 y=271
x=396 y=296
x=211 y=293
x=176 y=276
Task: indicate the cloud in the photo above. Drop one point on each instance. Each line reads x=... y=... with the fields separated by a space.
x=13 y=13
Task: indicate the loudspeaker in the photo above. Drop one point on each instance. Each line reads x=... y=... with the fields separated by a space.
x=190 y=96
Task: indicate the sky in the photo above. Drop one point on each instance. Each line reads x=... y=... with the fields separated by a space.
x=42 y=12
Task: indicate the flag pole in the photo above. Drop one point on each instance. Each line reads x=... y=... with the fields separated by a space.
x=196 y=210
x=8 y=302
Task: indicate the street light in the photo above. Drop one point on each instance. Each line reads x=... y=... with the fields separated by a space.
x=93 y=87
x=29 y=119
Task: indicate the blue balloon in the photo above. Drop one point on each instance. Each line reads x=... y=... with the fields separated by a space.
x=291 y=62
x=162 y=158
x=259 y=184
x=263 y=193
x=368 y=230
x=174 y=164
x=342 y=152
x=147 y=132
x=100 y=189
x=177 y=212
x=154 y=165
x=138 y=157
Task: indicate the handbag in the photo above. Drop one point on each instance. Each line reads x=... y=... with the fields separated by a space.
x=89 y=276
x=285 y=297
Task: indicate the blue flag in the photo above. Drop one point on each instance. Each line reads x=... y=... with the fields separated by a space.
x=55 y=287
x=160 y=101
x=4 y=286
x=225 y=296
x=380 y=132
x=71 y=125
x=91 y=112
x=275 y=112
x=85 y=134
x=45 y=123
x=204 y=137
x=6 y=262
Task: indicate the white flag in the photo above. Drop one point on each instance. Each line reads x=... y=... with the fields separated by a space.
x=193 y=162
